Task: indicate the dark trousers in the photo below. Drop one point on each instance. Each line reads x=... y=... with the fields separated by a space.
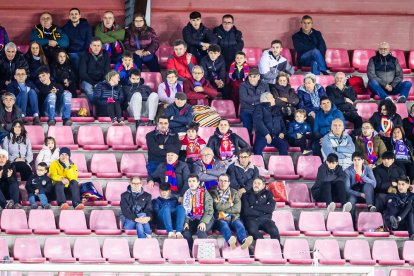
x=260 y=143
x=406 y=213
x=72 y=191
x=380 y=201
x=24 y=169
x=114 y=110
x=8 y=190
x=253 y=225
x=408 y=167
x=330 y=191
x=246 y=117
x=299 y=143
x=354 y=118
x=152 y=64
x=193 y=229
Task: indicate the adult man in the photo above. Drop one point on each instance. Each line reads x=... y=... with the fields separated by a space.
x=310 y=46
x=10 y=60
x=180 y=114
x=269 y=125
x=324 y=117
x=182 y=61
x=208 y=169
x=9 y=187
x=258 y=205
x=370 y=145
x=111 y=35
x=49 y=36
x=227 y=207
x=197 y=36
x=272 y=63
x=339 y=142
x=385 y=76
x=79 y=33
x=9 y=112
x=93 y=67
x=343 y=97
x=64 y=175
x=26 y=96
x=230 y=39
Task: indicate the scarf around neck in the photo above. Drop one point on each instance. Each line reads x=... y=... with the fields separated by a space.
x=245 y=69
x=168 y=89
x=171 y=177
x=227 y=148
x=224 y=197
x=193 y=203
x=386 y=125
x=213 y=183
x=401 y=150
x=369 y=146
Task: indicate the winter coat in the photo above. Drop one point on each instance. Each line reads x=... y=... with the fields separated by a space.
x=341 y=146
x=57 y=170
x=18 y=149
x=8 y=68
x=258 y=205
x=214 y=70
x=16 y=115
x=180 y=65
x=104 y=90
x=279 y=91
x=268 y=120
x=386 y=175
x=210 y=174
x=40 y=35
x=230 y=42
x=376 y=120
x=194 y=37
x=46 y=155
x=155 y=139
x=367 y=178
x=43 y=183
x=180 y=118
x=117 y=34
x=14 y=87
x=385 y=70
x=93 y=69
x=79 y=37
x=134 y=203
x=270 y=66
x=323 y=121
x=44 y=91
x=131 y=88
x=193 y=97
x=409 y=128
x=305 y=101
x=4 y=38
x=295 y=128
x=162 y=92
x=250 y=95
x=214 y=142
x=147 y=42
x=391 y=147
x=234 y=210
x=61 y=72
x=338 y=96
x=34 y=65
x=379 y=148
x=325 y=174
x=305 y=42
x=4 y=178
x=208 y=208
x=181 y=171
x=241 y=177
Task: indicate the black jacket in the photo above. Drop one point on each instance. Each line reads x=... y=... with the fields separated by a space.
x=3 y=177
x=44 y=90
x=409 y=129
x=61 y=72
x=135 y=203
x=43 y=183
x=130 y=89
x=376 y=120
x=155 y=139
x=250 y=95
x=338 y=97
x=181 y=171
x=268 y=120
x=230 y=42
x=327 y=175
x=16 y=114
x=304 y=43
x=288 y=92
x=93 y=69
x=386 y=175
x=214 y=70
x=180 y=118
x=193 y=37
x=104 y=90
x=241 y=177
x=215 y=141
x=79 y=37
x=8 y=68
x=258 y=205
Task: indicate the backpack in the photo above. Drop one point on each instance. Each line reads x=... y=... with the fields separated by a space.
x=358 y=84
x=89 y=192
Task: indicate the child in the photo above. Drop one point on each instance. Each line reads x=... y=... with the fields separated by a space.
x=49 y=152
x=192 y=145
x=63 y=72
x=38 y=185
x=124 y=68
x=238 y=72
x=297 y=131
x=136 y=208
x=215 y=68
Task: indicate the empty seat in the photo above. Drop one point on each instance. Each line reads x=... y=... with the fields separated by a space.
x=176 y=251
x=282 y=167
x=328 y=252
x=99 y=189
x=386 y=252
x=325 y=80
x=411 y=60
x=103 y=222
x=402 y=110
x=57 y=250
x=399 y=54
x=80 y=161
x=340 y=224
x=258 y=161
x=226 y=110
x=152 y=79
x=236 y=256
x=4 y=249
x=163 y=52
x=63 y=136
x=113 y=192
x=206 y=132
x=298 y=195
x=296 y=81
x=285 y=223
x=91 y=138
x=14 y=221
x=253 y=55
x=411 y=93
x=27 y=250
x=217 y=258
x=133 y=164
x=77 y=104
x=141 y=133
x=117 y=251
x=90 y=253
x=307 y=167
x=36 y=135
x=401 y=272
x=287 y=55
x=73 y=222
x=23 y=48
x=368 y=222
x=365 y=110
x=337 y=60
x=408 y=252
x=360 y=59
x=242 y=132
x=357 y=252
x=312 y=224
x=147 y=251
x=296 y=251
x=120 y=138
x=104 y=165
x=267 y=251
x=43 y=222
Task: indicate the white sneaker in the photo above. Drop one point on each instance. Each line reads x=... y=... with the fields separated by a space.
x=247 y=242
x=149 y=236
x=178 y=235
x=347 y=207
x=331 y=207
x=232 y=242
x=171 y=235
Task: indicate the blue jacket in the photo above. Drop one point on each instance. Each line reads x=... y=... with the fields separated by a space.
x=181 y=117
x=159 y=203
x=38 y=35
x=323 y=121
x=79 y=37
x=304 y=43
x=305 y=101
x=267 y=120
x=367 y=178
x=295 y=128
x=214 y=70
x=14 y=87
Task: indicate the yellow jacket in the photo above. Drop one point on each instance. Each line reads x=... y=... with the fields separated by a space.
x=57 y=172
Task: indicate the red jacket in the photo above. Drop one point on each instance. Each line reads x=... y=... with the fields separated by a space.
x=180 y=64
x=193 y=96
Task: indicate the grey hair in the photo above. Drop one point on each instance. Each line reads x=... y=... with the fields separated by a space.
x=8 y=94
x=197 y=67
x=263 y=97
x=10 y=45
x=339 y=73
x=110 y=74
x=310 y=76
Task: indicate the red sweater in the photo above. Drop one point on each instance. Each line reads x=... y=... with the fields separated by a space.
x=180 y=64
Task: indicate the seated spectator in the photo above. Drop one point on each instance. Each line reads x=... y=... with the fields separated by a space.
x=227 y=208
x=181 y=60
x=385 y=76
x=159 y=142
x=9 y=187
x=35 y=59
x=408 y=124
x=192 y=145
x=168 y=88
x=258 y=205
x=225 y=143
x=198 y=89
x=125 y=67
x=310 y=47
x=26 y=96
x=197 y=36
x=64 y=73
x=339 y=142
x=93 y=67
x=49 y=152
x=403 y=150
x=269 y=126
x=310 y=94
x=136 y=209
x=112 y=36
x=10 y=60
x=370 y=145
x=386 y=176
x=238 y=73
x=38 y=186
x=143 y=41
x=385 y=119
x=285 y=96
x=18 y=145
x=329 y=186
x=215 y=69
x=242 y=172
x=64 y=175
x=49 y=36
x=180 y=114
x=297 y=132
x=272 y=63
x=108 y=95
x=324 y=117
x=79 y=33
x=4 y=38
x=208 y=169
x=343 y=97
x=168 y=213
x=9 y=113
x=54 y=98
x=137 y=95
x=360 y=182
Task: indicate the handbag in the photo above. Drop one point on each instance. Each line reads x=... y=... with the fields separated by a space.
x=278 y=190
x=206 y=250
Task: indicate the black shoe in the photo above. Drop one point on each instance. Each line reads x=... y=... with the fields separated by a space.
x=394 y=222
x=325 y=73
x=137 y=123
x=36 y=121
x=67 y=122
x=151 y=123
x=9 y=204
x=51 y=122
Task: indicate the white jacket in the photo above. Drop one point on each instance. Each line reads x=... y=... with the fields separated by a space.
x=46 y=155
x=270 y=67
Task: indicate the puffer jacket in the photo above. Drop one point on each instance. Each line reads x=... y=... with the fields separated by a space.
x=47 y=156
x=270 y=66
x=8 y=68
x=305 y=101
x=104 y=90
x=250 y=95
x=194 y=37
x=385 y=70
x=148 y=41
x=323 y=121
x=134 y=203
x=268 y=120
x=230 y=42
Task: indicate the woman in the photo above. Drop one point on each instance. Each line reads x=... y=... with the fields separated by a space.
x=168 y=88
x=408 y=124
x=143 y=42
x=198 y=89
x=385 y=119
x=35 y=58
x=18 y=146
x=285 y=96
x=310 y=94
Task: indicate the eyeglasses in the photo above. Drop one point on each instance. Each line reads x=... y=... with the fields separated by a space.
x=135 y=183
x=227 y=23
x=223 y=181
x=244 y=156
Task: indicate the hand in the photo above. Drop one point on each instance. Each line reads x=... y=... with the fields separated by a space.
x=198 y=89
x=363 y=195
x=348 y=100
x=268 y=139
x=186 y=226
x=188 y=58
x=146 y=219
x=54 y=90
x=151 y=184
x=66 y=82
x=52 y=43
x=202 y=226
x=388 y=88
x=241 y=191
x=394 y=184
x=7 y=82
x=219 y=83
x=139 y=52
x=146 y=53
x=371 y=166
x=312 y=114
x=140 y=220
x=36 y=191
x=65 y=181
x=161 y=146
x=281 y=135
x=284 y=99
x=180 y=199
x=299 y=135
x=9 y=173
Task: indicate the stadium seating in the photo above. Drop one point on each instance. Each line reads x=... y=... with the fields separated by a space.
x=282 y=167
x=237 y=255
x=43 y=222
x=368 y=222
x=103 y=222
x=147 y=251
x=140 y=136
x=152 y=79
x=176 y=251
x=337 y=60
x=116 y=251
x=63 y=136
x=328 y=252
x=76 y=105
x=73 y=222
x=267 y=251
x=401 y=272
x=14 y=221
x=57 y=250
x=296 y=251
x=36 y=135
x=298 y=195
x=120 y=138
x=325 y=80
x=163 y=52
x=312 y=224
x=27 y=250
x=357 y=252
x=296 y=81
x=104 y=165
x=287 y=55
x=216 y=260
x=386 y=252
x=133 y=164
x=4 y=249
x=285 y=223
x=365 y=110
x=226 y=110
x=91 y=138
x=242 y=132
x=307 y=166
x=402 y=109
x=360 y=59
x=399 y=54
x=340 y=224
x=114 y=191
x=408 y=252
x=253 y=55
x=87 y=254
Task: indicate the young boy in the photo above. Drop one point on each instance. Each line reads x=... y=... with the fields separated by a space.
x=166 y=208
x=38 y=185
x=297 y=131
x=124 y=68
x=192 y=145
x=214 y=67
x=238 y=72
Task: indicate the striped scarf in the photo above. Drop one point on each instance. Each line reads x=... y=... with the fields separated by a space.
x=171 y=177
x=168 y=90
x=233 y=68
x=193 y=203
x=224 y=197
x=369 y=145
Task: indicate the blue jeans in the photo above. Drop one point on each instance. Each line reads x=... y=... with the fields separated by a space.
x=369 y=196
x=75 y=59
x=278 y=143
x=42 y=198
x=315 y=60
x=225 y=227
x=246 y=117
x=403 y=88
x=152 y=64
x=64 y=101
x=88 y=89
x=152 y=166
x=142 y=229
x=24 y=98
x=165 y=216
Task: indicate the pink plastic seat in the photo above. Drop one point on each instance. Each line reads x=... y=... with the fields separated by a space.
x=253 y=55
x=386 y=252
x=312 y=224
x=282 y=167
x=267 y=251
x=401 y=272
x=27 y=250
x=91 y=138
x=325 y=80
x=104 y=165
x=140 y=137
x=152 y=79
x=4 y=249
x=287 y=55
x=103 y=222
x=402 y=110
x=298 y=196
x=258 y=161
x=236 y=256
x=147 y=251
x=77 y=104
x=99 y=189
x=411 y=93
x=87 y=250
x=117 y=251
x=357 y=252
x=242 y=132
x=73 y=222
x=206 y=132
x=23 y=48
x=296 y=251
x=80 y=161
x=285 y=223
x=63 y=136
x=296 y=81
x=154 y=191
x=163 y=52
x=408 y=252
x=14 y=221
x=399 y=54
x=411 y=60
x=340 y=224
x=226 y=110
x=113 y=192
x=120 y=138
x=360 y=59
x=176 y=251
x=43 y=222
x=365 y=110
x=57 y=250
x=36 y=135
x=133 y=164
x=217 y=259
x=328 y=252
x=368 y=222
x=307 y=167
x=337 y=60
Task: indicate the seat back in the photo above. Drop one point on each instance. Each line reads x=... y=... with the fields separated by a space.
x=242 y=132
x=411 y=60
x=357 y=250
x=163 y=52
x=90 y=135
x=296 y=81
x=26 y=248
x=36 y=134
x=267 y=249
x=337 y=57
x=281 y=165
x=339 y=221
x=62 y=134
x=114 y=190
x=206 y=132
x=152 y=79
x=13 y=219
x=399 y=54
x=225 y=108
x=57 y=248
x=133 y=163
x=80 y=161
x=365 y=110
x=385 y=250
x=287 y=55
x=4 y=248
x=237 y=253
x=104 y=163
x=408 y=251
x=296 y=249
x=78 y=103
x=401 y=272
x=72 y=219
x=402 y=110
x=369 y=221
x=92 y=250
x=298 y=192
x=307 y=166
x=140 y=136
x=311 y=221
x=146 y=249
x=175 y=249
x=115 y=249
x=253 y=55
x=42 y=219
x=328 y=249
x=361 y=57
x=325 y=80
x=284 y=220
x=102 y=219
x=119 y=135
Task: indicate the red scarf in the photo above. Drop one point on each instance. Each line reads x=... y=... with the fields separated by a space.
x=386 y=125
x=197 y=203
x=233 y=68
x=369 y=145
x=226 y=147
x=192 y=147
